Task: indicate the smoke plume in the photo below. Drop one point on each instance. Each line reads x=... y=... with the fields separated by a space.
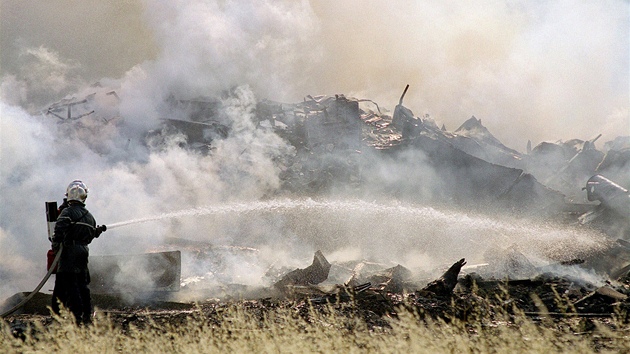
x=530 y=70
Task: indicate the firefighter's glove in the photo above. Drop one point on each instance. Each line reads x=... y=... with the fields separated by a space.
x=55 y=246
x=100 y=229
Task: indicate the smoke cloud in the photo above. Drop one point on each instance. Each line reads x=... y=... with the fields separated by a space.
x=529 y=70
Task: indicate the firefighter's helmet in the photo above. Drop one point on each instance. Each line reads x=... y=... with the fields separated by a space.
x=77 y=190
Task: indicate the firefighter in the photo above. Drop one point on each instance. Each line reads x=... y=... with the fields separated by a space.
x=75 y=229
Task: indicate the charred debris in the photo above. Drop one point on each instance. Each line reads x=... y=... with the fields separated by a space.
x=336 y=141
x=343 y=145
x=460 y=292
x=377 y=294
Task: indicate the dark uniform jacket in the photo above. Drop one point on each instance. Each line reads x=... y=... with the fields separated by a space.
x=75 y=229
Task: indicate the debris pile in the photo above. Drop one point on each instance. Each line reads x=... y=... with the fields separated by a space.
x=337 y=141
x=456 y=294
x=342 y=143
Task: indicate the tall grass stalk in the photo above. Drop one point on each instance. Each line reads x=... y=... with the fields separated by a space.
x=237 y=329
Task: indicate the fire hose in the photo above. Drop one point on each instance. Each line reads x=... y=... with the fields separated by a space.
x=39 y=286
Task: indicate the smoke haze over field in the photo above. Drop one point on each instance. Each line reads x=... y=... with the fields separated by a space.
x=529 y=70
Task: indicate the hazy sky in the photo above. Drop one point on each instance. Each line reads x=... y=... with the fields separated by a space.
x=539 y=70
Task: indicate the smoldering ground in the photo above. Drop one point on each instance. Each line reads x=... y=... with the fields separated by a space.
x=531 y=71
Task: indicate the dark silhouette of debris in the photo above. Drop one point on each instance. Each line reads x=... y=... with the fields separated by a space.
x=316 y=273
x=391 y=279
x=342 y=294
x=444 y=285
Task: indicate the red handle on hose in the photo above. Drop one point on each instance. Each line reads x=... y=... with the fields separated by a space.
x=50 y=259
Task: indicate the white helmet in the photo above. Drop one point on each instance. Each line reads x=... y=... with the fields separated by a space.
x=77 y=190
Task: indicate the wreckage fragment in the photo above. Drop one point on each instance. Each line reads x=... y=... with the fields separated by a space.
x=403 y=116
x=331 y=123
x=602 y=301
x=585 y=162
x=100 y=105
x=65 y=107
x=465 y=178
x=610 y=194
x=565 y=165
x=316 y=273
x=475 y=139
x=391 y=279
x=605 y=292
x=612 y=215
x=444 y=285
x=615 y=165
x=341 y=294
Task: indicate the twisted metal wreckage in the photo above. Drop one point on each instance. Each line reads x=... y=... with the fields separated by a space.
x=335 y=137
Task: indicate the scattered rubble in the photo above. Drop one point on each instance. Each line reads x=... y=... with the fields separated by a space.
x=453 y=295
x=337 y=139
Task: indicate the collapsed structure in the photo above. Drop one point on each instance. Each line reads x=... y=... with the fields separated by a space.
x=337 y=138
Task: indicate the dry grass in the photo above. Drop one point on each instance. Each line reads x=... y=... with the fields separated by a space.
x=236 y=329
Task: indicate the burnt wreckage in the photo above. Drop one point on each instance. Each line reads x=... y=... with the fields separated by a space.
x=338 y=141
x=337 y=138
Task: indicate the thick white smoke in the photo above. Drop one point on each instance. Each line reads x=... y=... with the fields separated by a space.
x=540 y=71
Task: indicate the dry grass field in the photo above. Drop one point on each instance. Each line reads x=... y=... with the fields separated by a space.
x=249 y=327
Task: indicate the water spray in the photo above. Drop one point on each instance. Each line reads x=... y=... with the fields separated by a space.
x=333 y=206
x=275 y=206
x=225 y=209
